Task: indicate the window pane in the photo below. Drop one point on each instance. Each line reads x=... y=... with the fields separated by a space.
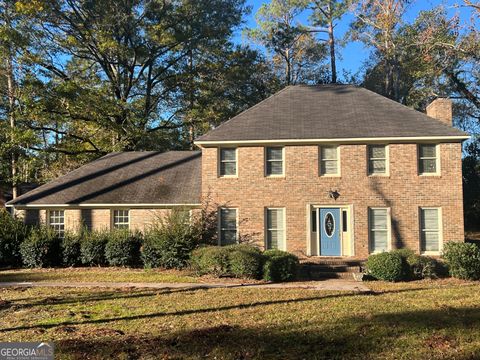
x=428 y=165
x=228 y=168
x=377 y=166
x=274 y=218
x=274 y=153
x=228 y=218
x=329 y=167
x=379 y=240
x=329 y=153
x=274 y=239
x=121 y=219
x=430 y=219
x=228 y=154
x=275 y=228
x=228 y=237
x=428 y=151
x=314 y=220
x=274 y=168
x=377 y=152
x=379 y=219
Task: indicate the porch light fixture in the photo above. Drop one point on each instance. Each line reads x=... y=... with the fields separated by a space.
x=333 y=194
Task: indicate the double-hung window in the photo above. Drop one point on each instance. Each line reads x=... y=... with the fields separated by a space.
x=329 y=160
x=275 y=226
x=274 y=161
x=56 y=221
x=428 y=159
x=379 y=229
x=377 y=160
x=121 y=219
x=228 y=162
x=228 y=226
x=430 y=230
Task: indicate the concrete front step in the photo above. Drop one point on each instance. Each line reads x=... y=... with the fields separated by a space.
x=331 y=269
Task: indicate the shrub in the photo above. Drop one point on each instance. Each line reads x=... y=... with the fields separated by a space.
x=123 y=248
x=245 y=261
x=12 y=233
x=463 y=260
x=92 y=248
x=71 y=250
x=213 y=260
x=279 y=266
x=388 y=266
x=41 y=248
x=418 y=266
x=170 y=241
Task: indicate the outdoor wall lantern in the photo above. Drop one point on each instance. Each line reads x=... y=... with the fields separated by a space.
x=333 y=194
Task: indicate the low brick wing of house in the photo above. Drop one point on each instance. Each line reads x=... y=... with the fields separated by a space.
x=329 y=170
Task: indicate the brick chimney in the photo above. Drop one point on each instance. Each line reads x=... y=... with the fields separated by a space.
x=441 y=109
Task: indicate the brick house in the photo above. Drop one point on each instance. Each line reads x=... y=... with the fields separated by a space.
x=329 y=170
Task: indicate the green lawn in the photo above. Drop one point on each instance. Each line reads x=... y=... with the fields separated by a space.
x=417 y=320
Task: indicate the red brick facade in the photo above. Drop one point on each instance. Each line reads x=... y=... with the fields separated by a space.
x=404 y=191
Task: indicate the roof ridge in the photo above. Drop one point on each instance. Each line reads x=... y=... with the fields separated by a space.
x=247 y=110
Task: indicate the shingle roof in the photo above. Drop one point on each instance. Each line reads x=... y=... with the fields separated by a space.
x=328 y=112
x=125 y=178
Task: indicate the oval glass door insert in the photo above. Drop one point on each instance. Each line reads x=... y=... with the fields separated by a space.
x=329 y=224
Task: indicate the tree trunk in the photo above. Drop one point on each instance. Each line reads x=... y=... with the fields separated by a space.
x=331 y=42
x=11 y=116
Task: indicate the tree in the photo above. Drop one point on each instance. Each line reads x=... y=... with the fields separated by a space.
x=326 y=14
x=295 y=51
x=376 y=24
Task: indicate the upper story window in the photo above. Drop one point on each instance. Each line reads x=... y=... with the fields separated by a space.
x=121 y=219
x=329 y=160
x=228 y=162
x=377 y=160
x=56 y=221
x=274 y=161
x=428 y=159
x=228 y=226
x=430 y=230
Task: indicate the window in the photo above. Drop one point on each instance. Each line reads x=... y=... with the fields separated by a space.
x=121 y=219
x=228 y=226
x=379 y=236
x=314 y=220
x=56 y=220
x=228 y=162
x=274 y=161
x=329 y=160
x=275 y=229
x=377 y=159
x=430 y=230
x=427 y=159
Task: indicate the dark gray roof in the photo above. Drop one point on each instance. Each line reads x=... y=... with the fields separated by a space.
x=135 y=177
x=328 y=112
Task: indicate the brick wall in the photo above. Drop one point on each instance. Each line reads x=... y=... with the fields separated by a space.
x=404 y=191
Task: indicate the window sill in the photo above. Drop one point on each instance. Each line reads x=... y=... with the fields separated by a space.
x=330 y=176
x=275 y=176
x=379 y=175
x=430 y=175
x=228 y=177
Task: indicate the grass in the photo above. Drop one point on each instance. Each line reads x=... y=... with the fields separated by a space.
x=417 y=320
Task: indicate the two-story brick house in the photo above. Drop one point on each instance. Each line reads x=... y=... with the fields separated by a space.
x=328 y=170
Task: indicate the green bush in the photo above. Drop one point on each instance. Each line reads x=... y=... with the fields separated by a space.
x=170 y=241
x=212 y=260
x=388 y=266
x=12 y=233
x=419 y=266
x=41 y=249
x=92 y=248
x=463 y=260
x=279 y=266
x=123 y=248
x=71 y=250
x=245 y=261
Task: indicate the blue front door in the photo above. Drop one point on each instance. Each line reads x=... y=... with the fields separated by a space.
x=329 y=224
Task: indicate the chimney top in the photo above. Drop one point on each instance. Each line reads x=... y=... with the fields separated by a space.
x=441 y=109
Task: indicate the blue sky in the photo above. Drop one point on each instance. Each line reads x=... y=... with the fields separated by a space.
x=353 y=55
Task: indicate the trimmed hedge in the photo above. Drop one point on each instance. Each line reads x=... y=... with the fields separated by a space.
x=42 y=248
x=279 y=266
x=245 y=261
x=419 y=266
x=71 y=250
x=12 y=233
x=463 y=260
x=123 y=248
x=388 y=266
x=213 y=260
x=92 y=248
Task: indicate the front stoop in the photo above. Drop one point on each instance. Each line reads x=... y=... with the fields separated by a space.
x=331 y=268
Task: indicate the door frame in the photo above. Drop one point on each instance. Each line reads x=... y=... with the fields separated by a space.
x=350 y=218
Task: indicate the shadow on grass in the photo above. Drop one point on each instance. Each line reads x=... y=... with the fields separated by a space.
x=351 y=337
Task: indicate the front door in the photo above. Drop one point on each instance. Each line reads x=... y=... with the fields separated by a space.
x=329 y=224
